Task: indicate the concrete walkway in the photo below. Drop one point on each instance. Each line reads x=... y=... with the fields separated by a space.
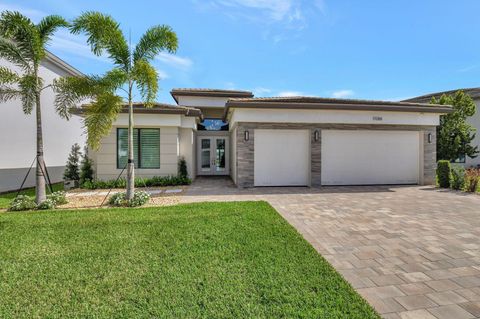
x=412 y=252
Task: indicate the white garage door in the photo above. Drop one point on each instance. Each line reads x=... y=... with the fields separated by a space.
x=370 y=157
x=281 y=157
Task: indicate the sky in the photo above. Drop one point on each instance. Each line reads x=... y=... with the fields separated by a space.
x=371 y=49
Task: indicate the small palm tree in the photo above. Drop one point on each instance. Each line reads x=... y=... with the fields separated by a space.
x=23 y=43
x=132 y=69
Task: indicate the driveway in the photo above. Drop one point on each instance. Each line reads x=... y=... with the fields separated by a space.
x=412 y=252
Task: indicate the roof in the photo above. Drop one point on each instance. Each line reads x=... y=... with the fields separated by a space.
x=209 y=92
x=304 y=102
x=157 y=108
x=52 y=58
x=473 y=92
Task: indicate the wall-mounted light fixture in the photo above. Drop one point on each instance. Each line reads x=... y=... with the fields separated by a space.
x=429 y=138
x=316 y=135
x=246 y=135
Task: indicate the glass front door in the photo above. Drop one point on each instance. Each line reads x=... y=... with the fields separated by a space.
x=213 y=155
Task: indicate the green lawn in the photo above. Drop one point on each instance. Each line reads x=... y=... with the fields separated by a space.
x=6 y=198
x=208 y=260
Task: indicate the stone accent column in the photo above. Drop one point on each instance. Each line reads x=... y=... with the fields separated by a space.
x=245 y=157
x=316 y=158
x=429 y=156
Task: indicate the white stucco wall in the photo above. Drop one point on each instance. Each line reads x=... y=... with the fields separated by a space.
x=18 y=134
x=199 y=101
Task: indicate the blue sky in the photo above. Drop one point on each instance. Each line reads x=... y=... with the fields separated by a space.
x=372 y=49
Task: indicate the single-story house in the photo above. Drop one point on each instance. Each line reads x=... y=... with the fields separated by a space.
x=278 y=141
x=474 y=120
x=18 y=131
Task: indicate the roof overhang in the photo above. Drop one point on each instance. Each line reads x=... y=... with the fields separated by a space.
x=333 y=104
x=52 y=58
x=210 y=93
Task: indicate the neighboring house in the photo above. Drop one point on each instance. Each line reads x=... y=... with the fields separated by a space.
x=474 y=120
x=293 y=141
x=18 y=131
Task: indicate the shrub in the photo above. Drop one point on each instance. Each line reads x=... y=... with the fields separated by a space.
x=139 y=182
x=443 y=173
x=72 y=169
x=457 y=177
x=472 y=179
x=140 y=198
x=22 y=202
x=46 y=204
x=58 y=198
x=86 y=168
x=182 y=168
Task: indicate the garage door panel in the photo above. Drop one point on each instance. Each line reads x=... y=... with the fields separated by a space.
x=281 y=157
x=370 y=157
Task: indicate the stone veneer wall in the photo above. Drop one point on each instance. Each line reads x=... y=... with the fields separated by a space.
x=245 y=149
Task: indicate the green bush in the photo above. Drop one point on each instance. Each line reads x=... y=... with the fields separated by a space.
x=443 y=173
x=457 y=177
x=46 y=204
x=22 y=202
x=182 y=168
x=86 y=168
x=139 y=182
x=140 y=198
x=472 y=179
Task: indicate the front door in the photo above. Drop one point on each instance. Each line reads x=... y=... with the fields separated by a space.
x=212 y=157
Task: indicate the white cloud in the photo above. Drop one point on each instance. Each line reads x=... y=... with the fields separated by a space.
x=162 y=74
x=341 y=94
x=33 y=14
x=230 y=86
x=289 y=93
x=175 y=61
x=261 y=91
x=276 y=10
x=66 y=42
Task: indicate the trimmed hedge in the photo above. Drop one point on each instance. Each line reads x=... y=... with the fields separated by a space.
x=139 y=182
x=443 y=173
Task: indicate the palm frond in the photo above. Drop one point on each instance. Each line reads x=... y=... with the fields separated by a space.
x=155 y=40
x=28 y=86
x=48 y=25
x=8 y=93
x=20 y=29
x=99 y=117
x=146 y=78
x=8 y=76
x=103 y=34
x=13 y=54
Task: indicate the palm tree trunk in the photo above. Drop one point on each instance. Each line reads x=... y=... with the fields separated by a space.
x=40 y=193
x=130 y=164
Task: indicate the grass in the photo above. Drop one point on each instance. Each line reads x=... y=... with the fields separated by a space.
x=6 y=198
x=207 y=260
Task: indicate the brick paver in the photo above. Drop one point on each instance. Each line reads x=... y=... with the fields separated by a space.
x=412 y=252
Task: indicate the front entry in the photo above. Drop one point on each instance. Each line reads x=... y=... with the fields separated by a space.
x=212 y=155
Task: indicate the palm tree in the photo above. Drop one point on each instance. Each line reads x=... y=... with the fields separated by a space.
x=23 y=43
x=132 y=69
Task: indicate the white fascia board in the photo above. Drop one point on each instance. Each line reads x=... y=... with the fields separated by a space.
x=332 y=117
x=150 y=120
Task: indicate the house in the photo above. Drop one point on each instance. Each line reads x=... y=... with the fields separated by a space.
x=278 y=141
x=18 y=131
x=474 y=120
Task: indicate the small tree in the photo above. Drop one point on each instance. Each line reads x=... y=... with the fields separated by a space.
x=182 y=168
x=86 y=168
x=454 y=134
x=72 y=167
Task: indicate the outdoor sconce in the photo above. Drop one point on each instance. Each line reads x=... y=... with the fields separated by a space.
x=316 y=135
x=246 y=135
x=429 y=138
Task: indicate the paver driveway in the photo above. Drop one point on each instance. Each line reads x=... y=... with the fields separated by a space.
x=412 y=252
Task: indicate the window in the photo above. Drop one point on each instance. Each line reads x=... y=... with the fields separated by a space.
x=146 y=147
x=213 y=125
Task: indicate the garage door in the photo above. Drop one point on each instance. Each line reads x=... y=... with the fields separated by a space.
x=370 y=157
x=281 y=157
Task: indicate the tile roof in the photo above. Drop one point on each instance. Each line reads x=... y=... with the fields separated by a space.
x=473 y=92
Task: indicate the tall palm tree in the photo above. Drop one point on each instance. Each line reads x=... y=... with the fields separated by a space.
x=23 y=43
x=131 y=69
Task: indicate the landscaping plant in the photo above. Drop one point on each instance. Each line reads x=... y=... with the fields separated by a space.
x=72 y=171
x=132 y=69
x=22 y=202
x=155 y=181
x=457 y=177
x=455 y=134
x=46 y=204
x=182 y=168
x=58 y=198
x=86 y=168
x=472 y=179
x=23 y=43
x=140 y=198
x=443 y=173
